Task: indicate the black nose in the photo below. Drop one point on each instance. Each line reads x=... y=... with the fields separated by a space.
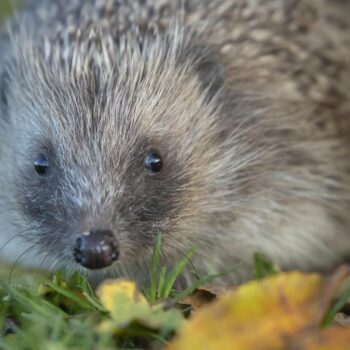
x=96 y=249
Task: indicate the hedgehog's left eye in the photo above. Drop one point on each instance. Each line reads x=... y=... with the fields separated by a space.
x=153 y=161
x=41 y=165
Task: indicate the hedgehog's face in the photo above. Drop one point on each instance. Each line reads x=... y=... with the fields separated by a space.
x=106 y=162
x=97 y=209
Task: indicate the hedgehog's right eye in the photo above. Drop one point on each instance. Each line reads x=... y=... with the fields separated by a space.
x=41 y=165
x=153 y=162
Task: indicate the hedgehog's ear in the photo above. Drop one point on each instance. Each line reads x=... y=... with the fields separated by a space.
x=210 y=73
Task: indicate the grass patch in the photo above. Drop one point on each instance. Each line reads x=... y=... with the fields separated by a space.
x=57 y=314
x=263 y=267
x=63 y=312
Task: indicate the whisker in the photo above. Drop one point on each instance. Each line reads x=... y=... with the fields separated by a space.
x=26 y=251
x=44 y=259
x=13 y=237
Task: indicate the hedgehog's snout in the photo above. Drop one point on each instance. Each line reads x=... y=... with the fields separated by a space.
x=96 y=249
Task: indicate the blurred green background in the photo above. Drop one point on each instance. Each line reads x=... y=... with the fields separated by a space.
x=6 y=8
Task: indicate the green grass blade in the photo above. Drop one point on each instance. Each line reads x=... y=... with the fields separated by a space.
x=94 y=302
x=336 y=307
x=161 y=282
x=70 y=295
x=22 y=299
x=155 y=268
x=175 y=273
x=263 y=267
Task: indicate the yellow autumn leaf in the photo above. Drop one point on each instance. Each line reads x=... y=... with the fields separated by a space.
x=127 y=289
x=263 y=314
x=127 y=306
x=335 y=338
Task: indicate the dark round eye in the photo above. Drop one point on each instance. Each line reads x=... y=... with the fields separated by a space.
x=153 y=162
x=41 y=165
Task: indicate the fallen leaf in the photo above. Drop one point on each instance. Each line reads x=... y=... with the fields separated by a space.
x=216 y=289
x=342 y=319
x=124 y=289
x=128 y=306
x=264 y=314
x=198 y=299
x=335 y=338
x=204 y=295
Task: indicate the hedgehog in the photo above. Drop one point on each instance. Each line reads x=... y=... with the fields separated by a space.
x=219 y=125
